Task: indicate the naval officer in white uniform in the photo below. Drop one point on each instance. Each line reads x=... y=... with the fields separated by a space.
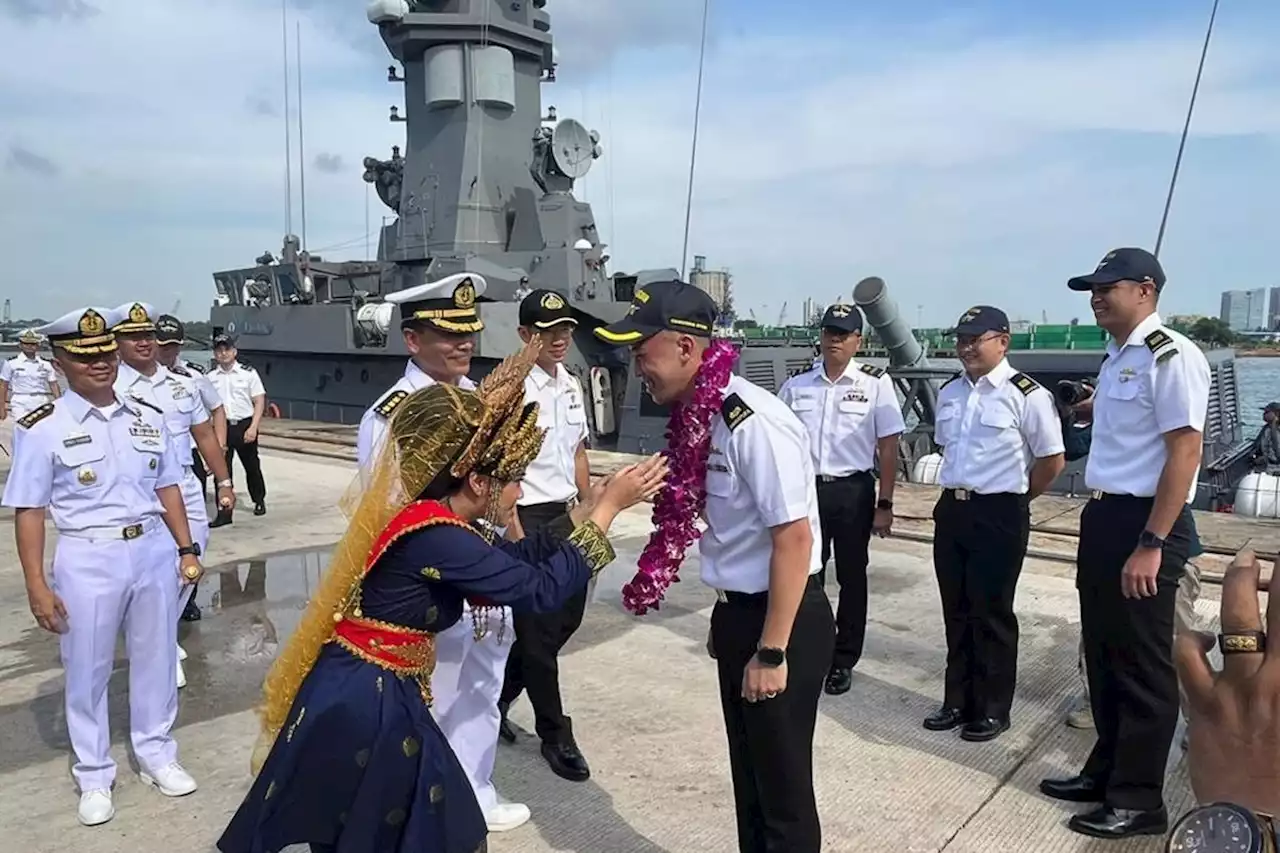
x=106 y=471
x=553 y=483
x=1002 y=447
x=439 y=323
x=772 y=632
x=1149 y=412
x=140 y=377
x=27 y=381
x=853 y=417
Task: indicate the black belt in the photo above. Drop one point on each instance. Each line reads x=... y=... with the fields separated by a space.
x=725 y=596
x=832 y=478
x=971 y=495
x=559 y=506
x=1099 y=495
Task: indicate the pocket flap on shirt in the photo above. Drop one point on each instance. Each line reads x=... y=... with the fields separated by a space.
x=81 y=453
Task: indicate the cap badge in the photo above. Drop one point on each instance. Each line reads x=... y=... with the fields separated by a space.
x=91 y=323
x=137 y=314
x=840 y=310
x=464 y=295
x=552 y=302
x=969 y=315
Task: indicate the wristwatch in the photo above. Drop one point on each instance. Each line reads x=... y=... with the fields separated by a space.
x=1147 y=539
x=192 y=550
x=884 y=503
x=771 y=657
x=1222 y=828
x=225 y=484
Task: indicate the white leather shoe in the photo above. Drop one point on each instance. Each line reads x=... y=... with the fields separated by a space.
x=506 y=816
x=172 y=781
x=181 y=676
x=182 y=653
x=96 y=807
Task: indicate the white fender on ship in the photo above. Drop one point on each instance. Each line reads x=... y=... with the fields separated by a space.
x=927 y=469
x=1258 y=496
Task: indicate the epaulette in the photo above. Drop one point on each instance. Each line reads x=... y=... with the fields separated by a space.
x=1024 y=383
x=388 y=404
x=34 y=417
x=180 y=370
x=953 y=378
x=734 y=411
x=191 y=365
x=1160 y=344
x=149 y=405
x=871 y=370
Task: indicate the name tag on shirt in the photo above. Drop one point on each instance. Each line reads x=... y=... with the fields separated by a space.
x=145 y=437
x=77 y=440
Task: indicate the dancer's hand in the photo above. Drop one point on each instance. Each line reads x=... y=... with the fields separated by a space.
x=1234 y=750
x=636 y=483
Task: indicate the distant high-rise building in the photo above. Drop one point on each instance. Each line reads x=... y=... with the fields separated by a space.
x=1246 y=310
x=1273 y=311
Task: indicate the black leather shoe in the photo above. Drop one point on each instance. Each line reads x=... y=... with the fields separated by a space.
x=566 y=761
x=1107 y=822
x=988 y=728
x=191 y=613
x=944 y=719
x=1077 y=789
x=259 y=509
x=222 y=519
x=839 y=680
x=506 y=731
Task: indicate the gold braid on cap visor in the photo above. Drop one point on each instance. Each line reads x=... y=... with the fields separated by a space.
x=437 y=431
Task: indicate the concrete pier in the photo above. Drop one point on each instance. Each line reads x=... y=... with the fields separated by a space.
x=642 y=693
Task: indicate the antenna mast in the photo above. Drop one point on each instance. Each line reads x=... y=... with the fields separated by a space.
x=302 y=158
x=288 y=139
x=693 y=153
x=1186 y=129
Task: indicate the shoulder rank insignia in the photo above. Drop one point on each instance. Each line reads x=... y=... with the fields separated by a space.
x=734 y=411
x=1160 y=343
x=152 y=406
x=871 y=370
x=389 y=403
x=1024 y=383
x=34 y=417
x=180 y=370
x=192 y=366
x=953 y=378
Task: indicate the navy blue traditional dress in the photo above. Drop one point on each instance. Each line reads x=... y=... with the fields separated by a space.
x=361 y=766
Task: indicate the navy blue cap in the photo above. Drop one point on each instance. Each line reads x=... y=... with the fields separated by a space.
x=842 y=318
x=663 y=306
x=543 y=309
x=169 y=330
x=981 y=319
x=1122 y=265
x=222 y=339
x=1271 y=407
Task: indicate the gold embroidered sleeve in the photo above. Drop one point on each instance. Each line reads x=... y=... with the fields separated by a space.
x=594 y=546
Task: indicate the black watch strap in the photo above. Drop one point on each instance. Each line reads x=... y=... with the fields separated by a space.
x=192 y=550
x=884 y=503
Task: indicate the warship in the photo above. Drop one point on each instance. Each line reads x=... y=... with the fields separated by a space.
x=484 y=185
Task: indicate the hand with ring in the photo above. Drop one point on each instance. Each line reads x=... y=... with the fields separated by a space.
x=190 y=569
x=1233 y=754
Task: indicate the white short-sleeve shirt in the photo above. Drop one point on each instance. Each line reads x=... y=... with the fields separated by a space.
x=373 y=424
x=759 y=476
x=993 y=430
x=237 y=386
x=562 y=413
x=1156 y=382
x=844 y=417
x=28 y=376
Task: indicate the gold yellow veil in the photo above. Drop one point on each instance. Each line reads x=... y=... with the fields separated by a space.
x=487 y=430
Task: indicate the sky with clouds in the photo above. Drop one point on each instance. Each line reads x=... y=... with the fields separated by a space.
x=977 y=152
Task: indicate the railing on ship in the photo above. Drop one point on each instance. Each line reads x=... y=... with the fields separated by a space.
x=937 y=342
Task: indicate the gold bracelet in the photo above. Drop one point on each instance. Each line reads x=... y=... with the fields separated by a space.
x=594 y=545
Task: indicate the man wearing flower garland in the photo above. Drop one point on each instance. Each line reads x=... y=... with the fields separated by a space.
x=852 y=414
x=740 y=455
x=558 y=477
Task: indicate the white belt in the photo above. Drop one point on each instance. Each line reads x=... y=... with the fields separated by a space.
x=126 y=532
x=44 y=394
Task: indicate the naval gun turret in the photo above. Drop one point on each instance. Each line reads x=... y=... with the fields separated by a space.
x=916 y=379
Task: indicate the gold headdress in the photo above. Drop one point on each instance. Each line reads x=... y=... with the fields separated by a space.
x=439 y=431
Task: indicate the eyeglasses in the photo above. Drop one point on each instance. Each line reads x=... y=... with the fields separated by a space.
x=970 y=342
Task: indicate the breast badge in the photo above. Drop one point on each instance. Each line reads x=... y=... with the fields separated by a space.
x=86 y=476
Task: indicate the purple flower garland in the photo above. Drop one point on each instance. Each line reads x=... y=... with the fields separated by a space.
x=678 y=506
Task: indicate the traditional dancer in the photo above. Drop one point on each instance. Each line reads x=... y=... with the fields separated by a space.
x=356 y=760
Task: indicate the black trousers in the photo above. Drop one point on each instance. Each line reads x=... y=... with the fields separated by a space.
x=248 y=453
x=532 y=665
x=847 y=508
x=1128 y=649
x=771 y=742
x=197 y=467
x=978 y=548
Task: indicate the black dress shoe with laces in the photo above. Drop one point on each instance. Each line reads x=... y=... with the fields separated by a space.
x=1106 y=822
x=259 y=509
x=839 y=680
x=566 y=761
x=1077 y=789
x=944 y=719
x=987 y=728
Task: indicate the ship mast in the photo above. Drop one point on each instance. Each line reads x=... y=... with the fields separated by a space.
x=693 y=153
